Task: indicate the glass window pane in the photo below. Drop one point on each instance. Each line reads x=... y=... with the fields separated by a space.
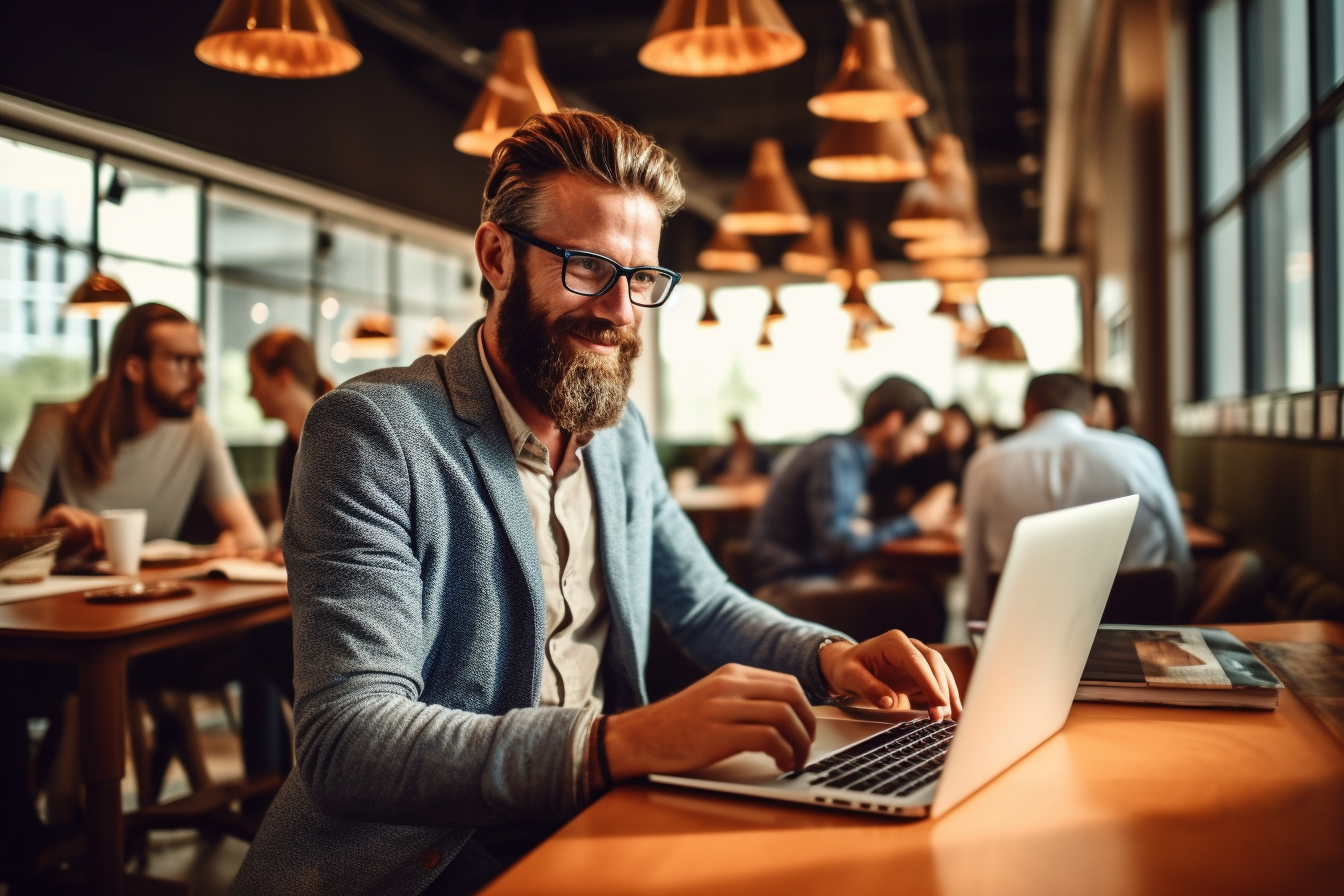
x=1224 y=348
x=147 y=212
x=44 y=354
x=1285 y=277
x=45 y=192
x=357 y=262
x=1220 y=102
x=150 y=282
x=1331 y=43
x=1279 y=60
x=256 y=236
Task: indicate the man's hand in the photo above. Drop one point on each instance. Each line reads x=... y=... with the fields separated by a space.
x=936 y=511
x=83 y=530
x=884 y=667
x=732 y=710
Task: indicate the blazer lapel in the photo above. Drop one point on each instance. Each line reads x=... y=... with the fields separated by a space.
x=488 y=444
x=604 y=467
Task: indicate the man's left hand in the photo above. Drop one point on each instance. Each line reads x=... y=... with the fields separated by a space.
x=882 y=668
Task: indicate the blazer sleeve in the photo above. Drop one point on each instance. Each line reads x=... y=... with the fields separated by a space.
x=711 y=618
x=366 y=745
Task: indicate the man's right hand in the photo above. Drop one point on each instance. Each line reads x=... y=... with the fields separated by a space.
x=83 y=530
x=936 y=511
x=732 y=710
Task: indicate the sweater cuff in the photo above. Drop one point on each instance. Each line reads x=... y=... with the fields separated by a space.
x=576 y=766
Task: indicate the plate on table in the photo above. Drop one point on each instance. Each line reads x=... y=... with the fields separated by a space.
x=139 y=591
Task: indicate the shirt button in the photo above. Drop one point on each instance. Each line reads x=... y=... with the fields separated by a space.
x=430 y=858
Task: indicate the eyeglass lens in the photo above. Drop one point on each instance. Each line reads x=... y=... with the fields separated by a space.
x=590 y=276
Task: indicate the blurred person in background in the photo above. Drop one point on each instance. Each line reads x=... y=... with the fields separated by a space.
x=1055 y=462
x=137 y=440
x=896 y=488
x=739 y=462
x=815 y=521
x=1110 y=409
x=285 y=383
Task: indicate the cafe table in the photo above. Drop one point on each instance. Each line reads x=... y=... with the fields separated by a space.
x=1126 y=800
x=99 y=639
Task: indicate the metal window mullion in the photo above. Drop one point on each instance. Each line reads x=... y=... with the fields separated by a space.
x=1324 y=199
x=1252 y=300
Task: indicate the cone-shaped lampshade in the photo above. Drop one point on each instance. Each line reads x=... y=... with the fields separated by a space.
x=868 y=86
x=970 y=326
x=870 y=152
x=858 y=260
x=948 y=307
x=856 y=305
x=713 y=38
x=961 y=292
x=767 y=203
x=373 y=336
x=972 y=242
x=857 y=338
x=98 y=293
x=709 y=318
x=764 y=341
x=728 y=252
x=1001 y=344
x=514 y=91
x=942 y=203
x=950 y=269
x=813 y=253
x=776 y=312
x=439 y=337
x=278 y=39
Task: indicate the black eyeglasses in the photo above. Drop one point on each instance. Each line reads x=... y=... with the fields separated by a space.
x=590 y=274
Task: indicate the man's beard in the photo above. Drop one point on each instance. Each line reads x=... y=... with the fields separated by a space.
x=580 y=390
x=173 y=407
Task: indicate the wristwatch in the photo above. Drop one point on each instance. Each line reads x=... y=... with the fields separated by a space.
x=821 y=673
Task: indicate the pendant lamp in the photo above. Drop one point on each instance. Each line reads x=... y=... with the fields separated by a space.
x=971 y=242
x=857 y=339
x=950 y=269
x=713 y=38
x=857 y=307
x=961 y=292
x=439 y=337
x=1001 y=344
x=767 y=203
x=947 y=307
x=868 y=85
x=515 y=90
x=942 y=203
x=764 y=341
x=813 y=253
x=870 y=152
x=858 y=260
x=776 y=312
x=709 y=318
x=278 y=39
x=98 y=293
x=373 y=336
x=728 y=251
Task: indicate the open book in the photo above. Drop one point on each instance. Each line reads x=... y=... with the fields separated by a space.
x=1177 y=666
x=238 y=569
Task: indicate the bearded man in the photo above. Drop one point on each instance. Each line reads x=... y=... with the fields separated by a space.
x=477 y=544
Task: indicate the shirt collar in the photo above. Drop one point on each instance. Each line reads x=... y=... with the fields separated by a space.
x=1058 y=419
x=524 y=442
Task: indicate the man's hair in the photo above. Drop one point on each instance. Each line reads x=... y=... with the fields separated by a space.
x=1060 y=392
x=284 y=349
x=106 y=416
x=895 y=393
x=575 y=142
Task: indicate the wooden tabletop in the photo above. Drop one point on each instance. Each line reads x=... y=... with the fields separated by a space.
x=723 y=498
x=1125 y=800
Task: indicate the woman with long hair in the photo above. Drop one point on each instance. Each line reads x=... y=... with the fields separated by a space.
x=285 y=383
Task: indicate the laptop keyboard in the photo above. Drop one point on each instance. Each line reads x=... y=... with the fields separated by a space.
x=896 y=762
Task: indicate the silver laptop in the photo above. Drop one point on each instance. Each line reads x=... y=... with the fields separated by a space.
x=1047 y=608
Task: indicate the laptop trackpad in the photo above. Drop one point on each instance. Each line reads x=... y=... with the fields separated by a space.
x=759 y=768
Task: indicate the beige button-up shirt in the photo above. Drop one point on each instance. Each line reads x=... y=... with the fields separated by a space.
x=564 y=520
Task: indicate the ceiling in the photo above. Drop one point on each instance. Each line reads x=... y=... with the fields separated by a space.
x=984 y=77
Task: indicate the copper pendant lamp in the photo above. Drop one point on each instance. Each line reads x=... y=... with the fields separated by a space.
x=727 y=251
x=767 y=203
x=439 y=337
x=374 y=335
x=1001 y=344
x=869 y=152
x=972 y=242
x=98 y=293
x=278 y=39
x=776 y=311
x=857 y=307
x=858 y=340
x=764 y=341
x=858 y=262
x=713 y=38
x=868 y=85
x=515 y=90
x=709 y=318
x=814 y=252
x=941 y=204
x=952 y=269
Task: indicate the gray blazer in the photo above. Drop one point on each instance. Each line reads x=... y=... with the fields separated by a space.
x=419 y=619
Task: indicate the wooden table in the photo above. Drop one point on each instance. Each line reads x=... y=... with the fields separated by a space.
x=709 y=505
x=99 y=639
x=1125 y=800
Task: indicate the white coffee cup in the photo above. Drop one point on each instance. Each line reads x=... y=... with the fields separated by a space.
x=123 y=536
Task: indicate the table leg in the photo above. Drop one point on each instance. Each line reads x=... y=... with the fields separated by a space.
x=102 y=752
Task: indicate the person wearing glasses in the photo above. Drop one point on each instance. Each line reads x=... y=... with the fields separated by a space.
x=137 y=440
x=476 y=545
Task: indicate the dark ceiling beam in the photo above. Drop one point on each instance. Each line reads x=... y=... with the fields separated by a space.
x=410 y=22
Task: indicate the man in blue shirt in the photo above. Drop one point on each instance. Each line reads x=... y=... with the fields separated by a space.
x=813 y=523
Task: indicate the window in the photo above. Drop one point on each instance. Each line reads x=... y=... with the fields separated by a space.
x=1224 y=346
x=1220 y=95
x=1276 y=33
x=1284 y=270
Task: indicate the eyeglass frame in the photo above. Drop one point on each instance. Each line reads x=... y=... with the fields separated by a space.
x=621 y=270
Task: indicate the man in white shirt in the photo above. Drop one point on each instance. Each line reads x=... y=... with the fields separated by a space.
x=1056 y=461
